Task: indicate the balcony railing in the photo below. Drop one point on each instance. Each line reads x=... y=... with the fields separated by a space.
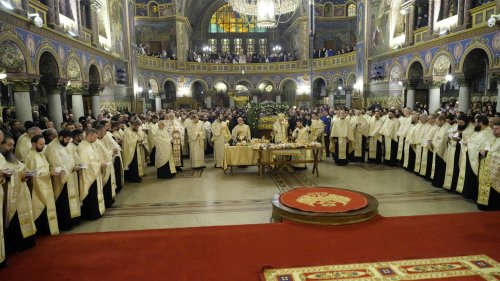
x=481 y=14
x=343 y=60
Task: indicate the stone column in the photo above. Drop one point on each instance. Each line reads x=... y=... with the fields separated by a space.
x=77 y=102
x=411 y=24
x=278 y=98
x=96 y=104
x=467 y=15
x=410 y=97
x=22 y=102
x=208 y=101
x=51 y=14
x=434 y=96
x=430 y=32
x=348 y=99
x=55 y=107
x=56 y=12
x=231 y=101
x=255 y=99
x=79 y=18
x=331 y=100
x=461 y=13
x=463 y=95
x=94 y=38
x=158 y=103
x=498 y=100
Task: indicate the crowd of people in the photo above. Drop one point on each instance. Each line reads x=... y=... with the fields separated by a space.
x=52 y=179
x=234 y=58
x=324 y=52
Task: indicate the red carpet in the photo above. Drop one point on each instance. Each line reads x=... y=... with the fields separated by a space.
x=323 y=200
x=238 y=253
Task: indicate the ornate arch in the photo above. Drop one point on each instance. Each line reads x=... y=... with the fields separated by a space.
x=202 y=82
x=472 y=47
x=74 y=64
x=396 y=72
x=438 y=63
x=46 y=47
x=411 y=62
x=110 y=77
x=140 y=81
x=335 y=77
x=154 y=85
x=246 y=82
x=92 y=63
x=351 y=74
x=267 y=80
x=320 y=77
x=11 y=36
x=284 y=81
x=223 y=81
x=162 y=86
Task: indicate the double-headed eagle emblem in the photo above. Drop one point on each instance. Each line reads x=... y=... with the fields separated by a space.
x=323 y=199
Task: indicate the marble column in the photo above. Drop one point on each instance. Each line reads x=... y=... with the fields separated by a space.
x=331 y=100
x=55 y=107
x=461 y=13
x=96 y=104
x=51 y=14
x=278 y=98
x=348 y=100
x=430 y=32
x=498 y=100
x=411 y=24
x=410 y=97
x=79 y=19
x=94 y=38
x=255 y=99
x=56 y=12
x=467 y=15
x=434 y=96
x=208 y=102
x=22 y=102
x=77 y=103
x=158 y=103
x=464 y=94
x=231 y=101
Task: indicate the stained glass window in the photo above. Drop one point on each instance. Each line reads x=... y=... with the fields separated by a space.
x=351 y=10
x=212 y=43
x=250 y=46
x=263 y=46
x=225 y=20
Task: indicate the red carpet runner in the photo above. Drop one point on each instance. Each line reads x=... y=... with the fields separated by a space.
x=323 y=200
x=238 y=253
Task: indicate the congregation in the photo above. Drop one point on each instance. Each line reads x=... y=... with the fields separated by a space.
x=52 y=179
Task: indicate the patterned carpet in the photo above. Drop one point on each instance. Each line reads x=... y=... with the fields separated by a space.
x=190 y=173
x=289 y=180
x=481 y=267
x=374 y=167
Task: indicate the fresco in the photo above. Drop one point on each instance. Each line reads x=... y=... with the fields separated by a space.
x=11 y=57
x=116 y=15
x=379 y=28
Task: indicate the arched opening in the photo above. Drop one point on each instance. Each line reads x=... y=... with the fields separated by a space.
x=243 y=92
x=220 y=94
x=350 y=101
x=199 y=94
x=47 y=91
x=417 y=93
x=265 y=92
x=475 y=67
x=319 y=91
x=91 y=103
x=289 y=91
x=169 y=94
x=339 y=93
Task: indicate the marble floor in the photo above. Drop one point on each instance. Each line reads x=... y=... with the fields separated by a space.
x=242 y=197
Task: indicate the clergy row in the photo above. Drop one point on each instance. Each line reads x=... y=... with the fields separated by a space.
x=458 y=153
x=50 y=183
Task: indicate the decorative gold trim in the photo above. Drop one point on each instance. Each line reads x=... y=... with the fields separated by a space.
x=476 y=44
x=47 y=47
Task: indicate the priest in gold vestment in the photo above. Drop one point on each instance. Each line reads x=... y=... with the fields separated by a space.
x=489 y=173
x=409 y=146
x=106 y=154
x=455 y=156
x=135 y=151
x=374 y=138
x=404 y=125
x=439 y=146
x=112 y=144
x=302 y=134
x=42 y=194
x=90 y=178
x=220 y=137
x=241 y=132
x=360 y=130
x=481 y=138
x=196 y=135
x=19 y=222
x=65 y=185
x=419 y=138
x=176 y=132
x=341 y=138
x=389 y=131
x=164 y=160
x=280 y=129
x=427 y=153
x=23 y=145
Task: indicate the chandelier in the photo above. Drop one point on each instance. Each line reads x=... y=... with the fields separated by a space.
x=265 y=10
